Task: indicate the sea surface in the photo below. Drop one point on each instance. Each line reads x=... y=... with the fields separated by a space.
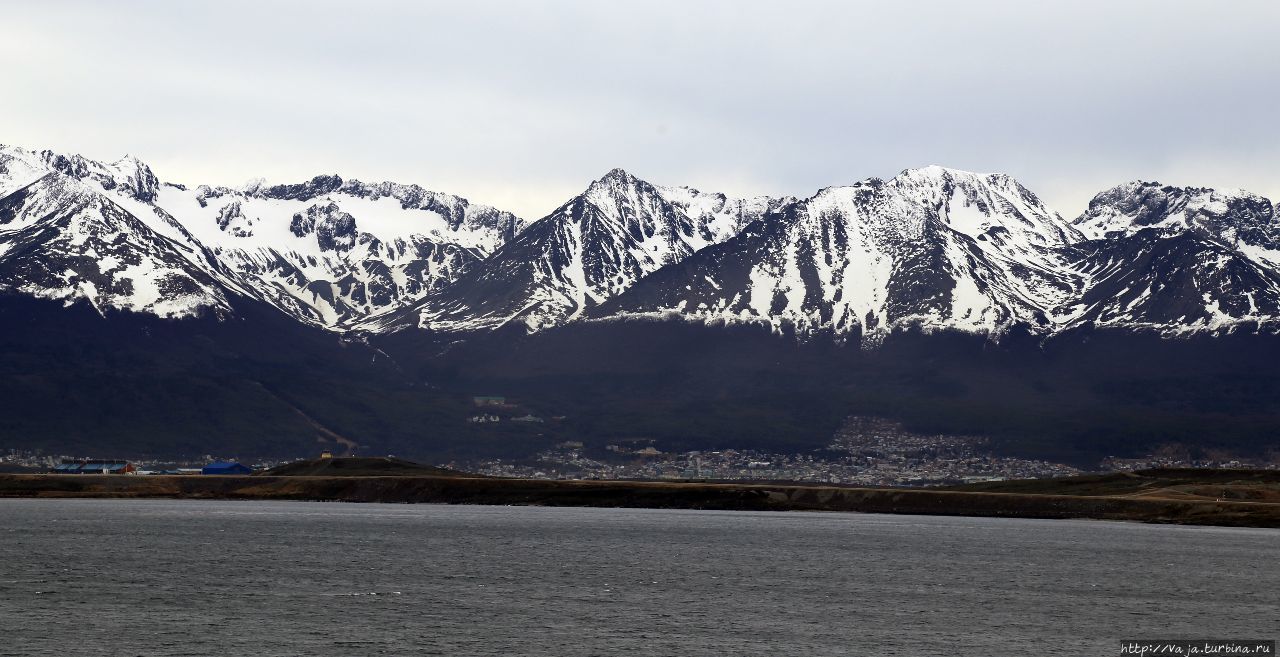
x=146 y=577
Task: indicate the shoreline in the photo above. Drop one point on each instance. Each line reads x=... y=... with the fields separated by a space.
x=645 y=494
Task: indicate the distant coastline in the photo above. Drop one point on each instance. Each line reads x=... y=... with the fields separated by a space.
x=1239 y=498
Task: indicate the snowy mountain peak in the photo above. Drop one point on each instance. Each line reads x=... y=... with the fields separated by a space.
x=130 y=175
x=939 y=177
x=1223 y=214
x=615 y=184
x=305 y=191
x=615 y=176
x=938 y=172
x=74 y=229
x=988 y=207
x=129 y=160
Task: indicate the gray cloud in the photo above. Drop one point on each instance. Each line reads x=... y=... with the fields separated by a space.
x=520 y=104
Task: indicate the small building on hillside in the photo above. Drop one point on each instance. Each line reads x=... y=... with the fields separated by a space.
x=94 y=467
x=226 y=468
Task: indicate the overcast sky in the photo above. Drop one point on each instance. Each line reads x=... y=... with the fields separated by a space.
x=521 y=104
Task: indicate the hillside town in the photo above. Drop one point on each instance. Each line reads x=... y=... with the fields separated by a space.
x=865 y=451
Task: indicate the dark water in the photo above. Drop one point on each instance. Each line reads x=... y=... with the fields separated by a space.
x=255 y=578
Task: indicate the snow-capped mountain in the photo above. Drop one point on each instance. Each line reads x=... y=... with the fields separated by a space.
x=71 y=229
x=932 y=247
x=1178 y=260
x=592 y=248
x=327 y=251
x=1231 y=216
x=943 y=249
x=332 y=251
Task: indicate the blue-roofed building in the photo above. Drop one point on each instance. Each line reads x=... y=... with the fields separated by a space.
x=226 y=468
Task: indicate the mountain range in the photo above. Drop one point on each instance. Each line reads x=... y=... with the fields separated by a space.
x=380 y=286
x=932 y=248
